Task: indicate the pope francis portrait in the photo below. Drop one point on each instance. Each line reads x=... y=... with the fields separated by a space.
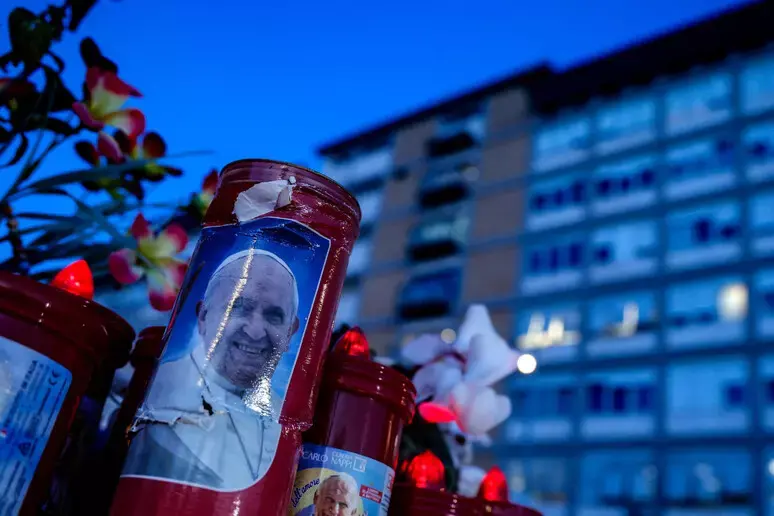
x=210 y=417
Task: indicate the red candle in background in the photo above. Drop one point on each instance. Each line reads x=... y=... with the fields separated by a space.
x=220 y=429
x=351 y=451
x=409 y=500
x=58 y=355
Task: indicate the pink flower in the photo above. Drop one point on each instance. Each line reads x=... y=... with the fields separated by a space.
x=149 y=146
x=106 y=95
x=154 y=257
x=203 y=199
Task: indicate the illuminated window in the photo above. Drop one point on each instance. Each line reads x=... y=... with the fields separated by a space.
x=699 y=103
x=717 y=480
x=623 y=324
x=625 y=124
x=561 y=144
x=543 y=328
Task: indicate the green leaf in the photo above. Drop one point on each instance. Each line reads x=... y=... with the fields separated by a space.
x=57 y=94
x=78 y=11
x=21 y=149
x=46 y=216
x=30 y=36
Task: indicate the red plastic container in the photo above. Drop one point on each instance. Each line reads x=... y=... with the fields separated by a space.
x=220 y=429
x=360 y=415
x=508 y=509
x=144 y=359
x=408 y=500
x=58 y=354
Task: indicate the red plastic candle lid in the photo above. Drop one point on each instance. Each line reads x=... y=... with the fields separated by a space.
x=408 y=500
x=508 y=509
x=371 y=379
x=92 y=327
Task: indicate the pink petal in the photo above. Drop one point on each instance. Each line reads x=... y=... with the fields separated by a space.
x=122 y=266
x=175 y=235
x=109 y=148
x=131 y=121
x=113 y=84
x=86 y=118
x=164 y=284
x=141 y=228
x=435 y=413
x=210 y=182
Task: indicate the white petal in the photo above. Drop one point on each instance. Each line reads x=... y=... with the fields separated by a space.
x=435 y=378
x=261 y=199
x=479 y=409
x=470 y=480
x=490 y=359
x=423 y=349
x=477 y=321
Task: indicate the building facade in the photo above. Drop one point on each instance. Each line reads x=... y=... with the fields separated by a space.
x=618 y=220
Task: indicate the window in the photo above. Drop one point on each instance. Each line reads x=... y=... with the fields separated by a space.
x=361 y=255
x=764 y=294
x=707 y=312
x=557 y=265
x=713 y=481
x=766 y=393
x=707 y=397
x=762 y=223
x=430 y=295
x=561 y=144
x=542 y=483
x=542 y=407
x=625 y=185
x=625 y=124
x=619 y=404
x=617 y=479
x=623 y=324
x=370 y=206
x=469 y=119
x=349 y=305
x=700 y=167
x=757 y=84
x=557 y=202
x=700 y=103
x=759 y=151
x=704 y=235
x=552 y=334
x=623 y=251
x=358 y=167
x=439 y=236
x=448 y=182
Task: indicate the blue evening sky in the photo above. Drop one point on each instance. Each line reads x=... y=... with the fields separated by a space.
x=247 y=78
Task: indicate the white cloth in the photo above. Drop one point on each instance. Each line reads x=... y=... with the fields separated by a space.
x=211 y=419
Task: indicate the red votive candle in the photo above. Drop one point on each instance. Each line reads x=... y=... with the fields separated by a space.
x=351 y=451
x=58 y=354
x=408 y=500
x=220 y=429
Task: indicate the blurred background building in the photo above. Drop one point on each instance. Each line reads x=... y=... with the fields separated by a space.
x=618 y=219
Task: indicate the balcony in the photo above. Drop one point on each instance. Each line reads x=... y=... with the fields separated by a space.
x=438 y=238
x=457 y=133
x=428 y=296
x=449 y=183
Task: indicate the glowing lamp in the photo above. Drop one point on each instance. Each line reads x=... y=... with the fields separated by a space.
x=435 y=413
x=426 y=471
x=76 y=279
x=494 y=487
x=353 y=343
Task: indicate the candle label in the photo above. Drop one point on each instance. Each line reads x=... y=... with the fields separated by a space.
x=333 y=481
x=214 y=413
x=32 y=390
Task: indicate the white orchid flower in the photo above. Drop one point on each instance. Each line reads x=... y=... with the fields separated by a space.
x=424 y=349
x=470 y=480
x=478 y=409
x=476 y=322
x=437 y=379
x=489 y=360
